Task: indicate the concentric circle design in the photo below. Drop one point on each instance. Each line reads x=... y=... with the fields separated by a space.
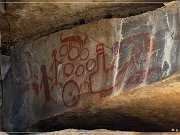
x=70 y=94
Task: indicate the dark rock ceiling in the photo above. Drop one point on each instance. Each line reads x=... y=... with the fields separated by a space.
x=26 y=20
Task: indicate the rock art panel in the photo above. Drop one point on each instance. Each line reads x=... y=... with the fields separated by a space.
x=72 y=68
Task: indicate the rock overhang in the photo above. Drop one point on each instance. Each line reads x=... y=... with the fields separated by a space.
x=142 y=48
x=31 y=20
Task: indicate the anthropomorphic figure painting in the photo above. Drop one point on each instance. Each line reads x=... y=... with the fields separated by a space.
x=45 y=85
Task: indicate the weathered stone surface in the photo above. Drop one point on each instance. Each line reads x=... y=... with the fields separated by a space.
x=4 y=68
x=100 y=132
x=5 y=65
x=2 y=7
x=151 y=108
x=75 y=68
x=34 y=20
x=5 y=33
x=4 y=29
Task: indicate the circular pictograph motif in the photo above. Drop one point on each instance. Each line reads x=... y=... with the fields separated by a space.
x=70 y=94
x=84 y=54
x=68 y=69
x=91 y=64
x=79 y=70
x=73 y=53
x=63 y=50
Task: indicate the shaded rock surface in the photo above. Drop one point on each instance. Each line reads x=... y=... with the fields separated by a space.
x=34 y=20
x=151 y=108
x=42 y=87
x=73 y=68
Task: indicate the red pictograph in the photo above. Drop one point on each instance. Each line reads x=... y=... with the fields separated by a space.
x=84 y=54
x=35 y=87
x=73 y=53
x=153 y=72
x=73 y=45
x=63 y=50
x=131 y=72
x=68 y=69
x=32 y=85
x=84 y=73
x=135 y=78
x=91 y=64
x=115 y=48
x=54 y=67
x=102 y=74
x=80 y=70
x=143 y=50
x=76 y=39
x=45 y=85
x=70 y=94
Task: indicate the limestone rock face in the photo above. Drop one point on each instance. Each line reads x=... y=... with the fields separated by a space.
x=71 y=69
